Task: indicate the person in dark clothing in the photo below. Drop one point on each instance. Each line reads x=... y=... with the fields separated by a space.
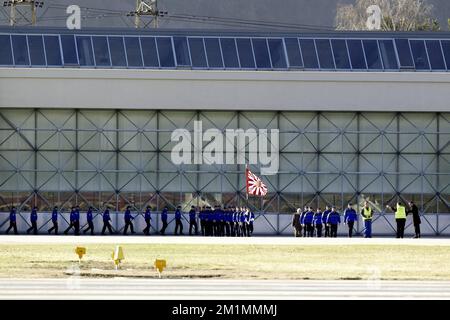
x=324 y=221
x=128 y=218
x=416 y=218
x=317 y=222
x=147 y=219
x=33 y=220
x=164 y=221
x=106 y=222
x=334 y=218
x=296 y=223
x=302 y=216
x=178 y=222
x=54 y=221
x=193 y=221
x=12 y=221
x=350 y=217
x=308 y=222
x=202 y=218
x=90 y=221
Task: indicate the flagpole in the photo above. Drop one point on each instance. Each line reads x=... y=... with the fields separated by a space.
x=246 y=184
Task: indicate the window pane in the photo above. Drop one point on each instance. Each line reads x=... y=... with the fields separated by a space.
x=356 y=54
x=69 y=50
x=5 y=50
x=197 y=53
x=309 y=53
x=325 y=54
x=293 y=52
x=181 y=51
x=372 y=54
x=245 y=53
x=37 y=54
x=85 y=54
x=20 y=50
x=261 y=53
x=230 y=58
x=165 y=52
x=213 y=53
x=340 y=54
x=117 y=49
x=133 y=52
x=52 y=50
x=101 y=53
x=404 y=53
x=435 y=54
x=388 y=54
x=149 y=52
x=446 y=49
x=420 y=55
x=277 y=53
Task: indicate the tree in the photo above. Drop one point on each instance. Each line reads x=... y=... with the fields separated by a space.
x=397 y=15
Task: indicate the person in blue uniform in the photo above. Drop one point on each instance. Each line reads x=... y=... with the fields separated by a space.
x=71 y=220
x=12 y=221
x=90 y=221
x=209 y=222
x=236 y=222
x=302 y=216
x=201 y=216
x=243 y=222
x=334 y=218
x=251 y=221
x=178 y=222
x=164 y=221
x=128 y=218
x=215 y=221
x=317 y=222
x=308 y=222
x=324 y=220
x=33 y=220
x=193 y=221
x=106 y=222
x=147 y=219
x=350 y=217
x=54 y=221
x=77 y=221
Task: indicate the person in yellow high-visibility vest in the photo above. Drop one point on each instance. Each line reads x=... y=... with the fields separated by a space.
x=400 y=218
x=367 y=214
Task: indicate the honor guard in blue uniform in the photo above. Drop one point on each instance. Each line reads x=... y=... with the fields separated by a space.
x=237 y=222
x=350 y=217
x=90 y=221
x=325 y=219
x=178 y=222
x=201 y=216
x=308 y=222
x=147 y=219
x=33 y=220
x=54 y=221
x=251 y=221
x=74 y=220
x=215 y=221
x=302 y=216
x=334 y=218
x=193 y=221
x=106 y=222
x=12 y=221
x=164 y=221
x=243 y=222
x=317 y=222
x=228 y=220
x=128 y=218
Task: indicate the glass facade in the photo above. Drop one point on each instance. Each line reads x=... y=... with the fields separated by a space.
x=92 y=157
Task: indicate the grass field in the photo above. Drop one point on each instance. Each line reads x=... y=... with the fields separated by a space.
x=231 y=261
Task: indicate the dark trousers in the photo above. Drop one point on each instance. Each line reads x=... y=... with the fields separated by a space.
x=350 y=225
x=12 y=225
x=55 y=227
x=106 y=224
x=243 y=229
x=232 y=230
x=305 y=230
x=227 y=229
x=202 y=228
x=193 y=225
x=327 y=231
x=128 y=223
x=417 y=230
x=298 y=230
x=250 y=229
x=89 y=228
x=237 y=229
x=33 y=228
x=164 y=226
x=309 y=229
x=400 y=227
x=319 y=230
x=333 y=230
x=147 y=227
x=75 y=225
x=178 y=225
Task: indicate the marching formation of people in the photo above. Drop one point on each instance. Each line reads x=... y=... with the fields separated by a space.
x=310 y=223
x=204 y=221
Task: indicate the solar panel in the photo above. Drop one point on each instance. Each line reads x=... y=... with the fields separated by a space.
x=209 y=52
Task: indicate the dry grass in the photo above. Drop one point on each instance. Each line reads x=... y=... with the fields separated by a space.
x=231 y=261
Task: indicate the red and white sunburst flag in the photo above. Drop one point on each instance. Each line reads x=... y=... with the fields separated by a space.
x=255 y=186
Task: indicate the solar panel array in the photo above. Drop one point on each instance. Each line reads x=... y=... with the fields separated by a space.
x=234 y=53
